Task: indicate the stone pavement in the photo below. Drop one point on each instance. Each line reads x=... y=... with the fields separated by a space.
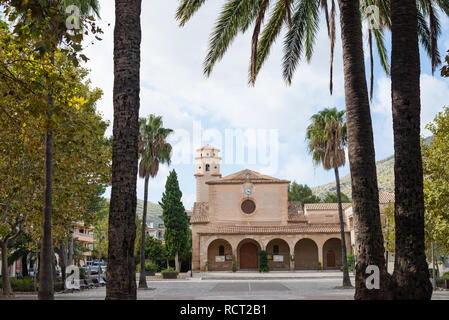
x=295 y=285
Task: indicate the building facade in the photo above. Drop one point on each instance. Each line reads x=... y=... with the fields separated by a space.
x=236 y=216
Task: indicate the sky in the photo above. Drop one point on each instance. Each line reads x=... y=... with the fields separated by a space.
x=222 y=110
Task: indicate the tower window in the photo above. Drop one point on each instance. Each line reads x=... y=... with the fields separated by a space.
x=221 y=251
x=207 y=167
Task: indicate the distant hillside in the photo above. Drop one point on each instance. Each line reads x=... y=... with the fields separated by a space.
x=385 y=178
x=154 y=212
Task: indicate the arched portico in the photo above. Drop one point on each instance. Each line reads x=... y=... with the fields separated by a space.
x=278 y=252
x=248 y=254
x=219 y=255
x=332 y=254
x=306 y=255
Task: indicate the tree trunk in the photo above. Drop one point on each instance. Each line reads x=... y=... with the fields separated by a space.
x=63 y=261
x=121 y=272
x=70 y=251
x=25 y=264
x=7 y=290
x=46 y=269
x=411 y=273
x=344 y=259
x=365 y=193
x=143 y=278
x=177 y=261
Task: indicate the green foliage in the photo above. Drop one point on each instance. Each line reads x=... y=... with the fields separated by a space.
x=388 y=228
x=319 y=266
x=302 y=193
x=151 y=267
x=20 y=285
x=445 y=276
x=234 y=264
x=351 y=261
x=327 y=138
x=153 y=147
x=436 y=183
x=332 y=198
x=263 y=261
x=175 y=218
x=83 y=274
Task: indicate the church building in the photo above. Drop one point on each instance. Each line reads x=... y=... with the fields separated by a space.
x=236 y=216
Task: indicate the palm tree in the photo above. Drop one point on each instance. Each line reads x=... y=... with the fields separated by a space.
x=238 y=15
x=153 y=150
x=121 y=272
x=327 y=139
x=411 y=273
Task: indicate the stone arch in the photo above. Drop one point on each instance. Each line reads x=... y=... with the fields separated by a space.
x=217 y=262
x=283 y=250
x=332 y=254
x=306 y=255
x=248 y=254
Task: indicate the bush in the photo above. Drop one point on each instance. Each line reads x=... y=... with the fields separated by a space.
x=319 y=266
x=23 y=285
x=169 y=270
x=445 y=276
x=150 y=267
x=234 y=265
x=83 y=274
x=351 y=261
x=263 y=259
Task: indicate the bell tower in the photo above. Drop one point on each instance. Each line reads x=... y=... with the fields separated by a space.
x=207 y=169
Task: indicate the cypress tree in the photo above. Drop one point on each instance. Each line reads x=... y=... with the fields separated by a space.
x=175 y=218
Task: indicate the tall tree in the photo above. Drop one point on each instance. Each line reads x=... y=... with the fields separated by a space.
x=303 y=22
x=333 y=198
x=302 y=193
x=327 y=139
x=154 y=150
x=411 y=273
x=365 y=193
x=175 y=218
x=37 y=18
x=121 y=271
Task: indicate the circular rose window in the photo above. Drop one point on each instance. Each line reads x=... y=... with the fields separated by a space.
x=248 y=206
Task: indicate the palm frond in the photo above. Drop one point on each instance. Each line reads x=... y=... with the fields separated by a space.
x=187 y=9
x=226 y=28
x=270 y=33
x=312 y=25
x=255 y=39
x=296 y=36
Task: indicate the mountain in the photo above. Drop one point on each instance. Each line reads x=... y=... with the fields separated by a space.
x=154 y=212
x=385 y=180
x=385 y=177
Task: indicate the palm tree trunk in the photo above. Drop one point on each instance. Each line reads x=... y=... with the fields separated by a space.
x=7 y=290
x=344 y=259
x=411 y=274
x=46 y=289
x=365 y=194
x=143 y=279
x=121 y=272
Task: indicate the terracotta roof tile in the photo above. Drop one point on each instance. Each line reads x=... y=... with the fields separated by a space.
x=386 y=197
x=247 y=175
x=294 y=229
x=326 y=206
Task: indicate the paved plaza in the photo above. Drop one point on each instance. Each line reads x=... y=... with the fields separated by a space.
x=238 y=286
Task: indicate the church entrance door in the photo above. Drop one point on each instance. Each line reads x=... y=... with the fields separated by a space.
x=330 y=259
x=248 y=256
